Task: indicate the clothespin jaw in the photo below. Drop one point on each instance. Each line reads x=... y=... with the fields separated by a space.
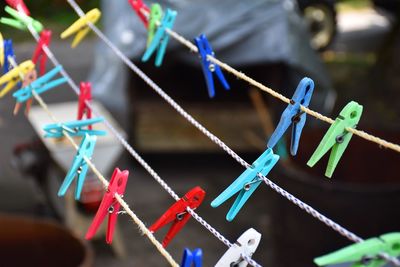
x=8 y=53
x=80 y=27
x=18 y=5
x=155 y=17
x=178 y=215
x=79 y=167
x=246 y=183
x=1 y=50
x=45 y=39
x=208 y=67
x=293 y=115
x=337 y=137
x=141 y=9
x=74 y=128
x=365 y=253
x=109 y=205
x=29 y=78
x=160 y=40
x=246 y=245
x=84 y=96
x=21 y=21
x=12 y=77
x=192 y=258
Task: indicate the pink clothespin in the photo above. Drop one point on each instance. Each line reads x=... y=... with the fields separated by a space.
x=18 y=5
x=140 y=9
x=109 y=205
x=85 y=95
x=45 y=39
x=29 y=78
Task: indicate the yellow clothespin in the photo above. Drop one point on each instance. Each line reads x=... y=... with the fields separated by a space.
x=80 y=26
x=12 y=77
x=1 y=50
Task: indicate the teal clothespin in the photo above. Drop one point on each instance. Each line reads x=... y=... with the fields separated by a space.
x=154 y=18
x=20 y=20
x=160 y=39
x=364 y=254
x=74 y=128
x=337 y=137
x=79 y=166
x=246 y=183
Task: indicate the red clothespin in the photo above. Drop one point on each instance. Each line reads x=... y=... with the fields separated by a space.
x=178 y=214
x=109 y=205
x=140 y=9
x=85 y=95
x=18 y=5
x=45 y=39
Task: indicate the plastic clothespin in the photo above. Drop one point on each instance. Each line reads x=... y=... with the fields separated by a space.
x=21 y=21
x=337 y=137
x=246 y=245
x=192 y=258
x=155 y=17
x=79 y=166
x=161 y=37
x=1 y=50
x=208 y=67
x=13 y=77
x=45 y=39
x=85 y=95
x=18 y=5
x=141 y=10
x=293 y=115
x=80 y=27
x=41 y=85
x=178 y=215
x=246 y=183
x=8 y=53
x=365 y=253
x=29 y=78
x=109 y=205
x=74 y=128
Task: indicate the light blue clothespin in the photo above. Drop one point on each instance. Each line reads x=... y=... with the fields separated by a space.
x=74 y=128
x=246 y=183
x=79 y=166
x=41 y=85
x=192 y=258
x=293 y=115
x=160 y=39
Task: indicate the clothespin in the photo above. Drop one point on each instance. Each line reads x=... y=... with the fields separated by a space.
x=8 y=52
x=29 y=78
x=293 y=115
x=45 y=39
x=337 y=137
x=80 y=27
x=365 y=253
x=246 y=183
x=155 y=17
x=141 y=9
x=2 y=44
x=12 y=77
x=74 y=128
x=178 y=215
x=21 y=21
x=208 y=67
x=192 y=258
x=18 y=5
x=85 y=95
x=41 y=85
x=160 y=39
x=246 y=245
x=109 y=205
x=79 y=166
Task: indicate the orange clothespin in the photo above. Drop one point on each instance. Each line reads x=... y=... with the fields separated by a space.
x=85 y=95
x=45 y=39
x=29 y=78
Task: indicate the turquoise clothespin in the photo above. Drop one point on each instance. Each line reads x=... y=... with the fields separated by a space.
x=160 y=39
x=364 y=254
x=246 y=183
x=79 y=166
x=20 y=21
x=74 y=128
x=337 y=137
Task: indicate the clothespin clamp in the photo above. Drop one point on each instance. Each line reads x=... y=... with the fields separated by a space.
x=29 y=78
x=109 y=205
x=155 y=18
x=21 y=21
x=337 y=137
x=74 y=128
x=18 y=5
x=246 y=183
x=160 y=40
x=2 y=44
x=246 y=245
x=80 y=27
x=208 y=67
x=8 y=52
x=79 y=166
x=14 y=76
x=293 y=115
x=45 y=39
x=178 y=214
x=365 y=253
x=192 y=258
x=85 y=95
x=141 y=10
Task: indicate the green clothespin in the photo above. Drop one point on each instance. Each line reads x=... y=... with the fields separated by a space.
x=364 y=254
x=155 y=17
x=337 y=137
x=20 y=21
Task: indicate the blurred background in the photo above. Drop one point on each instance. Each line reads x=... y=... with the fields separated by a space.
x=349 y=47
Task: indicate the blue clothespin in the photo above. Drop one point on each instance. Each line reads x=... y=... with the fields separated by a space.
x=294 y=116
x=74 y=128
x=192 y=258
x=40 y=85
x=160 y=39
x=246 y=183
x=79 y=166
x=208 y=67
x=8 y=52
